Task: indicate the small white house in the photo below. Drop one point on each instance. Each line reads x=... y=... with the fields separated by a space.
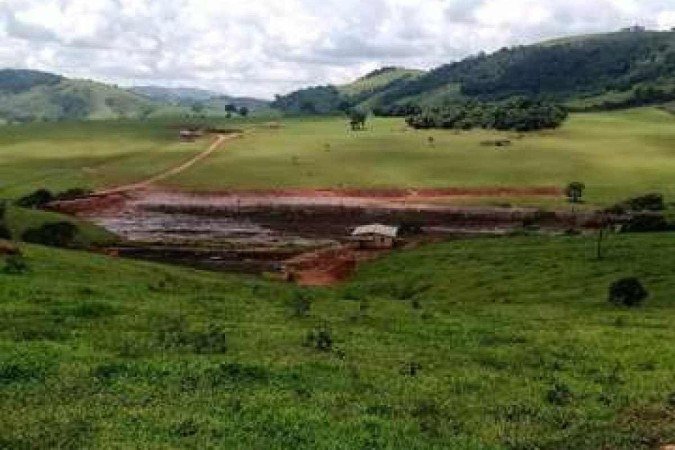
x=189 y=135
x=375 y=236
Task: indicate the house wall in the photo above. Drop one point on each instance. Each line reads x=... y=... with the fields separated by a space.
x=376 y=242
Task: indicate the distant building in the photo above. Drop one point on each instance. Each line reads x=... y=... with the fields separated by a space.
x=375 y=236
x=634 y=29
x=189 y=135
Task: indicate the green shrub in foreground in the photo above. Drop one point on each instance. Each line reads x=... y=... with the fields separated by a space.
x=15 y=265
x=55 y=234
x=627 y=292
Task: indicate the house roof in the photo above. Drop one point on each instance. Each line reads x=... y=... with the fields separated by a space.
x=382 y=230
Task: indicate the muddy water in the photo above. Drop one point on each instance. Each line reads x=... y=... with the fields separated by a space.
x=257 y=232
x=218 y=243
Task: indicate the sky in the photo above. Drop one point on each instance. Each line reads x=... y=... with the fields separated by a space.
x=266 y=47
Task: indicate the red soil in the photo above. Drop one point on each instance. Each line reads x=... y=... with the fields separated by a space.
x=327 y=267
x=398 y=193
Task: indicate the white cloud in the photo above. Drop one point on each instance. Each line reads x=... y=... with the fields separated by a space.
x=262 y=47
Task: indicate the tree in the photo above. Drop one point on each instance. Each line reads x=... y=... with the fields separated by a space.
x=35 y=200
x=574 y=191
x=197 y=108
x=357 y=119
x=230 y=108
x=243 y=111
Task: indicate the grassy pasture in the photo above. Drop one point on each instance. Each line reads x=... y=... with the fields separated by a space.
x=463 y=345
x=88 y=154
x=616 y=154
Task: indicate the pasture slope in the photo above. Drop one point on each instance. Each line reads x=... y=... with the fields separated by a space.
x=466 y=345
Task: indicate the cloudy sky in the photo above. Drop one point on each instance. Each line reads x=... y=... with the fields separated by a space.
x=263 y=47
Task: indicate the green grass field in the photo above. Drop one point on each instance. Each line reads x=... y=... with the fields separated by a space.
x=616 y=154
x=465 y=345
x=88 y=154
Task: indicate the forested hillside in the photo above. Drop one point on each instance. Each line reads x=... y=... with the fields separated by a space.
x=329 y=99
x=603 y=71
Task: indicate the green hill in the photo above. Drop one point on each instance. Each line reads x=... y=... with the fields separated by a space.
x=191 y=96
x=328 y=99
x=378 y=80
x=464 y=345
x=27 y=96
x=601 y=71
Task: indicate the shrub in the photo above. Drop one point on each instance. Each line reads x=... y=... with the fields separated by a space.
x=645 y=223
x=35 y=200
x=4 y=230
x=12 y=372
x=55 y=234
x=560 y=395
x=320 y=338
x=15 y=265
x=213 y=340
x=300 y=304
x=410 y=369
x=185 y=428
x=72 y=194
x=42 y=197
x=92 y=310
x=627 y=292
x=648 y=202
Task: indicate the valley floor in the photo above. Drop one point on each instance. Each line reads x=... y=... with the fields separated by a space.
x=616 y=154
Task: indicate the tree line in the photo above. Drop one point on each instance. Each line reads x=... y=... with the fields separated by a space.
x=517 y=115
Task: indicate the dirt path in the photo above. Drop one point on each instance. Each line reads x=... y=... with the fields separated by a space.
x=221 y=138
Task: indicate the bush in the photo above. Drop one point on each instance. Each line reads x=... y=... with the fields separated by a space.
x=560 y=395
x=36 y=200
x=55 y=234
x=42 y=197
x=4 y=229
x=300 y=304
x=15 y=265
x=320 y=338
x=212 y=340
x=644 y=223
x=648 y=202
x=627 y=292
x=72 y=194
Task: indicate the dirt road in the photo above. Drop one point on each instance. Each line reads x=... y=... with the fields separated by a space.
x=220 y=139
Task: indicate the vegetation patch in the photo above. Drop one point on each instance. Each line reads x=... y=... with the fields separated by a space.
x=55 y=234
x=627 y=292
x=518 y=115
